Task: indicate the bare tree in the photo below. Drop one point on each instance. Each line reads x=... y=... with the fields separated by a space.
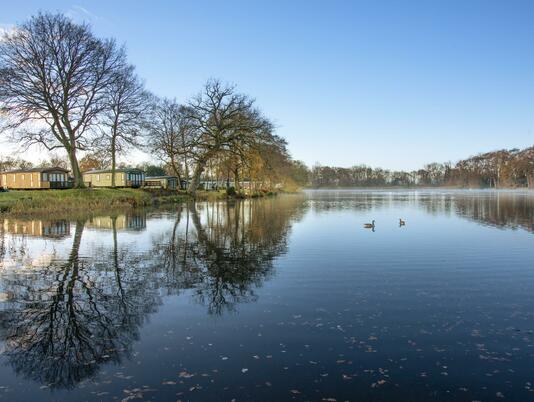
x=221 y=121
x=94 y=160
x=53 y=79
x=169 y=137
x=122 y=121
x=56 y=160
x=9 y=163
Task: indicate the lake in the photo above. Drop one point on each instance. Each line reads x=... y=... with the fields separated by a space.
x=284 y=298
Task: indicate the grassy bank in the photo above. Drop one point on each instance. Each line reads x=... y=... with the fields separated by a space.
x=91 y=200
x=74 y=200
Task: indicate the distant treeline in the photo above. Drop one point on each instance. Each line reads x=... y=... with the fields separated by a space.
x=498 y=169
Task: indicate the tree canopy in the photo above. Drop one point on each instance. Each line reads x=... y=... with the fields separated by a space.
x=54 y=76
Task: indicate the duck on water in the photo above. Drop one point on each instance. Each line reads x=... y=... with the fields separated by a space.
x=370 y=225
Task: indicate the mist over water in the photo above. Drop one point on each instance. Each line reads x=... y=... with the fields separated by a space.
x=273 y=299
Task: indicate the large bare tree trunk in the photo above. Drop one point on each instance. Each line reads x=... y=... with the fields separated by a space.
x=113 y=162
x=186 y=170
x=237 y=185
x=199 y=168
x=78 y=178
x=176 y=170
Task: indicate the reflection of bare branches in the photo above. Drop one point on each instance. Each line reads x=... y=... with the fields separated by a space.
x=68 y=319
x=63 y=321
x=229 y=271
x=225 y=250
x=235 y=249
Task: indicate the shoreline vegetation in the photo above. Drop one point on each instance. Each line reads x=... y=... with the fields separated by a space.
x=502 y=169
x=96 y=200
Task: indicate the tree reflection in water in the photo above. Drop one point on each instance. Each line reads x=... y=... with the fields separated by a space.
x=504 y=209
x=223 y=251
x=66 y=319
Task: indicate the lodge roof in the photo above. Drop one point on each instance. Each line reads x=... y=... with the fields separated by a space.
x=38 y=169
x=119 y=170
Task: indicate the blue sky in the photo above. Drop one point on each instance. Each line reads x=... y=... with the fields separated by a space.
x=394 y=84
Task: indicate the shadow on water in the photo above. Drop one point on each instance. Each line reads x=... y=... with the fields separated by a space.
x=62 y=320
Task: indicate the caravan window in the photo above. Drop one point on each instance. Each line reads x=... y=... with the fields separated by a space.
x=134 y=177
x=57 y=177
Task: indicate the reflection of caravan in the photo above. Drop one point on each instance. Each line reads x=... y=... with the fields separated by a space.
x=120 y=222
x=51 y=229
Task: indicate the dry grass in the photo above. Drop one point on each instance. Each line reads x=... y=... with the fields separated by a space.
x=91 y=200
x=88 y=200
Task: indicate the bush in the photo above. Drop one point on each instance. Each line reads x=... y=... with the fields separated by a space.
x=230 y=191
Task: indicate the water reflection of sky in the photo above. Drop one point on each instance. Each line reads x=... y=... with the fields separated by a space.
x=287 y=298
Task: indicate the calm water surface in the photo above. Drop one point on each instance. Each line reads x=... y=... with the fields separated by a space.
x=274 y=299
